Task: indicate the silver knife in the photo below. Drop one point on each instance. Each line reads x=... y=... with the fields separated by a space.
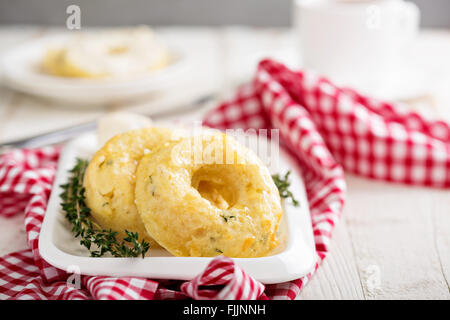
x=61 y=135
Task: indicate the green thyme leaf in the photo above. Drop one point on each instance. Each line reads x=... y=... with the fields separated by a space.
x=96 y=239
x=283 y=185
x=226 y=218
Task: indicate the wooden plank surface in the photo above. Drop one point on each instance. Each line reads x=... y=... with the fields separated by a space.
x=394 y=239
x=392 y=242
x=338 y=276
x=441 y=231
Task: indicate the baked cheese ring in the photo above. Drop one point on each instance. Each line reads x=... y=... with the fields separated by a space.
x=110 y=178
x=112 y=54
x=226 y=203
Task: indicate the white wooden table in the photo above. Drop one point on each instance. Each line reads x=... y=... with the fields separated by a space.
x=393 y=242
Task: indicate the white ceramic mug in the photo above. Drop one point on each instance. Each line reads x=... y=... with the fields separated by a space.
x=356 y=43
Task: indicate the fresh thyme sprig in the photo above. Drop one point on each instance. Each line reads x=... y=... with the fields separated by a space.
x=283 y=185
x=90 y=233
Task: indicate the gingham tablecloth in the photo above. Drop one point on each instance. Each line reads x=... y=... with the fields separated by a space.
x=326 y=128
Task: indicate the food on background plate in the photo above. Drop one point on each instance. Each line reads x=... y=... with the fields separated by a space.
x=116 y=53
x=227 y=205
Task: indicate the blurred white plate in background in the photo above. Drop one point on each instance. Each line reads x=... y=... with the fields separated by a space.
x=21 y=71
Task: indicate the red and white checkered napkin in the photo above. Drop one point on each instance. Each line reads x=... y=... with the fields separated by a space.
x=323 y=126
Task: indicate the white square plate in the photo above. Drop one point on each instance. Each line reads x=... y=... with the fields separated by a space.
x=294 y=257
